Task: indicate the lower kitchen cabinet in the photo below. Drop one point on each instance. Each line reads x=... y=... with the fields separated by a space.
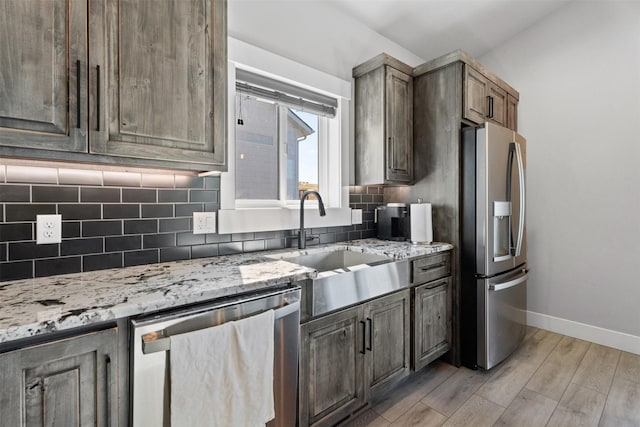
x=387 y=323
x=431 y=308
x=347 y=357
x=62 y=383
x=431 y=317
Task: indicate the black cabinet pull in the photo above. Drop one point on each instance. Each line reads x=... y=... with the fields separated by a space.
x=370 y=333
x=364 y=333
x=78 y=95
x=491 y=107
x=488 y=115
x=98 y=98
x=107 y=363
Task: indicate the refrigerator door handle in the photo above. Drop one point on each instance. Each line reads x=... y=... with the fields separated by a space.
x=523 y=198
x=509 y=284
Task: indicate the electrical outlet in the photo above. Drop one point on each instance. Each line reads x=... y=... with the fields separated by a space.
x=204 y=222
x=356 y=216
x=48 y=229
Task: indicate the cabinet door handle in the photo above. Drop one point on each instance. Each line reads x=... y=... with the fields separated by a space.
x=491 y=105
x=433 y=266
x=98 y=98
x=370 y=322
x=107 y=368
x=78 y=96
x=364 y=333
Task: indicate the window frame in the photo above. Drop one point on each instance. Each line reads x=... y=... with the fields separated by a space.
x=260 y=215
x=283 y=200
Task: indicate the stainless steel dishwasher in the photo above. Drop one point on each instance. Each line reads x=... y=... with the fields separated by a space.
x=151 y=335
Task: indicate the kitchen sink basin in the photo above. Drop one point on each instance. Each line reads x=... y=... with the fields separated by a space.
x=345 y=278
x=338 y=260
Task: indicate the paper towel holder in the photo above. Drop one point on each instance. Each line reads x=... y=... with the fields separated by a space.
x=421 y=223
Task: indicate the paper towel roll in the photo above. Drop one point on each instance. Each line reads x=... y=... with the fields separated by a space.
x=421 y=227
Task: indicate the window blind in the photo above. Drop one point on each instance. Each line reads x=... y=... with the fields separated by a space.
x=296 y=97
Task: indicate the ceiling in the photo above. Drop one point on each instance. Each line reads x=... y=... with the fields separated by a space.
x=430 y=28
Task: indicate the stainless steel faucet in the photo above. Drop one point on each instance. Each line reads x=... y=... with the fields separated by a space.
x=302 y=237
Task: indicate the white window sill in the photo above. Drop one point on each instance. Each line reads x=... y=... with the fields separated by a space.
x=273 y=219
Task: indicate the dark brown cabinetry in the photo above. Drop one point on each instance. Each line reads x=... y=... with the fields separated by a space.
x=430 y=308
x=442 y=101
x=483 y=99
x=349 y=356
x=43 y=85
x=63 y=383
x=162 y=80
x=383 y=122
x=117 y=82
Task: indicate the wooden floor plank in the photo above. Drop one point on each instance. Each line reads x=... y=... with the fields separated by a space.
x=476 y=412
x=623 y=404
x=537 y=347
x=598 y=379
x=509 y=378
x=528 y=409
x=451 y=394
x=420 y=415
x=531 y=331
x=579 y=406
x=369 y=418
x=579 y=374
x=554 y=375
x=629 y=367
x=395 y=403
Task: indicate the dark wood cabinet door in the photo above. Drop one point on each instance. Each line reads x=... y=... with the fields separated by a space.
x=43 y=88
x=498 y=104
x=162 y=89
x=331 y=367
x=432 y=323
x=388 y=339
x=64 y=383
x=475 y=90
x=483 y=100
x=399 y=117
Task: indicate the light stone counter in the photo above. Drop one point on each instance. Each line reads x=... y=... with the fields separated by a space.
x=37 y=306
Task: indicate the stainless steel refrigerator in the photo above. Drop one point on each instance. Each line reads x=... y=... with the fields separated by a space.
x=493 y=288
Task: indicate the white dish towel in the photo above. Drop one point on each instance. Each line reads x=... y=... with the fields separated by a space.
x=223 y=375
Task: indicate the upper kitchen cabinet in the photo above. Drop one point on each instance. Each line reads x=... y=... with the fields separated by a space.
x=158 y=73
x=383 y=122
x=43 y=86
x=485 y=97
x=136 y=83
x=483 y=100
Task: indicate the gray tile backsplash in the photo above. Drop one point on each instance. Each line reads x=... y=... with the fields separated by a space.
x=115 y=219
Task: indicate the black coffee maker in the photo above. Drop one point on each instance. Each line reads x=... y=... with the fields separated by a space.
x=393 y=222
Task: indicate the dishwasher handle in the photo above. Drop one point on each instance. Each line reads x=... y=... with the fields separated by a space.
x=158 y=341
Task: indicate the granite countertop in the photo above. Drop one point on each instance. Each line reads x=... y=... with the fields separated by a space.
x=36 y=306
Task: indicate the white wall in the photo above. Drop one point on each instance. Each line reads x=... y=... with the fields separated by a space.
x=311 y=32
x=578 y=74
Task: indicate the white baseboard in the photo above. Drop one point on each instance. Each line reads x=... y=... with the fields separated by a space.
x=607 y=337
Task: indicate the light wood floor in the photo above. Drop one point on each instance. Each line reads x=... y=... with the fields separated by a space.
x=551 y=380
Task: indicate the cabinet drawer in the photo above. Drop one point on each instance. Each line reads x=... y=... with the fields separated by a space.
x=431 y=268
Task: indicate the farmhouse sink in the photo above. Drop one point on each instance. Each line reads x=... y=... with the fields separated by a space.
x=347 y=277
x=340 y=259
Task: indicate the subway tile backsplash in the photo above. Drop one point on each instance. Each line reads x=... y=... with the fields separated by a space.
x=114 y=219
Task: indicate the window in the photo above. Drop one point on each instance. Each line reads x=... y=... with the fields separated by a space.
x=278 y=128
x=287 y=124
x=276 y=150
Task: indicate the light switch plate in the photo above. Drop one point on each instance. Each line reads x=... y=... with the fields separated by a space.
x=204 y=222
x=48 y=229
x=356 y=216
